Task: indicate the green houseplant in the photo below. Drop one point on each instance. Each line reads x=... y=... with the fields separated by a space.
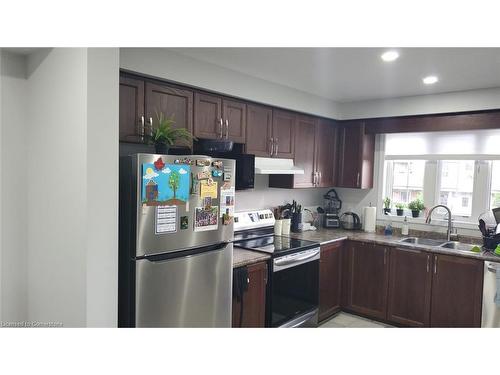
x=400 y=209
x=416 y=206
x=387 y=205
x=165 y=135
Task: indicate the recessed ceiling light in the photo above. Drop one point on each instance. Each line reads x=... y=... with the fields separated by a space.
x=430 y=80
x=389 y=56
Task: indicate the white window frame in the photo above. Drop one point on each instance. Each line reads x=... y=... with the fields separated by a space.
x=481 y=195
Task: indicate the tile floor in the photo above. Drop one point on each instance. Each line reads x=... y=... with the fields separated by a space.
x=345 y=320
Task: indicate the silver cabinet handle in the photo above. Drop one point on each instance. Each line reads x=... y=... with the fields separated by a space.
x=385 y=255
x=357 y=180
x=142 y=129
x=276 y=146
x=220 y=127
x=227 y=128
x=435 y=264
x=314 y=178
x=150 y=126
x=271 y=146
x=319 y=177
x=428 y=262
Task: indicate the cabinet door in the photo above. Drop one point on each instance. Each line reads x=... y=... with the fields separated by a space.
x=254 y=300
x=457 y=285
x=235 y=120
x=368 y=280
x=410 y=279
x=284 y=133
x=208 y=122
x=356 y=156
x=259 y=130
x=172 y=102
x=131 y=109
x=305 y=146
x=330 y=273
x=326 y=153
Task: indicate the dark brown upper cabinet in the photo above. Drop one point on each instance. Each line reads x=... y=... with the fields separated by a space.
x=208 y=121
x=173 y=102
x=259 y=130
x=330 y=276
x=356 y=156
x=219 y=118
x=315 y=152
x=235 y=120
x=368 y=276
x=305 y=145
x=141 y=101
x=457 y=285
x=131 y=103
x=410 y=280
x=326 y=153
x=284 y=124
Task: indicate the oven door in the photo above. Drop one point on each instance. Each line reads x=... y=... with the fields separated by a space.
x=295 y=289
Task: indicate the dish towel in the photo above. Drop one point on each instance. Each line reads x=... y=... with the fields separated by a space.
x=497 y=295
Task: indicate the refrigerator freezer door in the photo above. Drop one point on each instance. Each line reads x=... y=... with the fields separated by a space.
x=491 y=312
x=182 y=234
x=190 y=291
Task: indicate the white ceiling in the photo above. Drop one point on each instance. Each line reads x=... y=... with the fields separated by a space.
x=352 y=74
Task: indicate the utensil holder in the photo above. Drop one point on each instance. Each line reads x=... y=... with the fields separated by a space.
x=296 y=222
x=278 y=227
x=285 y=230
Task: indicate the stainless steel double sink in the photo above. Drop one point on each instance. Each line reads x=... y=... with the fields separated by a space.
x=438 y=243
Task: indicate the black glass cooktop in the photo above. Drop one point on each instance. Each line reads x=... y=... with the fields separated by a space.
x=275 y=244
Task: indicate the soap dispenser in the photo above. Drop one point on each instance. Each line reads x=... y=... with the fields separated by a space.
x=405 y=229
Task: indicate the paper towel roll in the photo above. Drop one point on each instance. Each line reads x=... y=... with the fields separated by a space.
x=369 y=218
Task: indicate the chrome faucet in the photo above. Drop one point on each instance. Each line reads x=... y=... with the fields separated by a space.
x=450 y=225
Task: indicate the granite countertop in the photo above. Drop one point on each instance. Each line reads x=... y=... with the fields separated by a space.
x=243 y=257
x=324 y=236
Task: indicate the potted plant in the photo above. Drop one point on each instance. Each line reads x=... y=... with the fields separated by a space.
x=400 y=209
x=387 y=205
x=165 y=135
x=416 y=206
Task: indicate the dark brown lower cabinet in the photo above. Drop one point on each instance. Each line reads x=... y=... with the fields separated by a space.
x=410 y=280
x=254 y=299
x=330 y=277
x=368 y=276
x=457 y=285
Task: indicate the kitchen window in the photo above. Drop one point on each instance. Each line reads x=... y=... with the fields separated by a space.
x=495 y=184
x=458 y=169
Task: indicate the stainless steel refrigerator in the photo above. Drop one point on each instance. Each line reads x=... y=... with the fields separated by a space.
x=176 y=224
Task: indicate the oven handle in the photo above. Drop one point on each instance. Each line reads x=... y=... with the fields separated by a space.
x=290 y=262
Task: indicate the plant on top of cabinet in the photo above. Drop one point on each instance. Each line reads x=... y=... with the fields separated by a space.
x=165 y=135
x=416 y=206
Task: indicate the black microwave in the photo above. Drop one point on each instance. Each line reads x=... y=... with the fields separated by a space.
x=245 y=171
x=245 y=168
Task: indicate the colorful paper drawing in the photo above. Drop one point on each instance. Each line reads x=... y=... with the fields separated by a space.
x=205 y=219
x=166 y=187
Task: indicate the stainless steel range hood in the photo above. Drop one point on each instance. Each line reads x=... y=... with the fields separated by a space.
x=276 y=166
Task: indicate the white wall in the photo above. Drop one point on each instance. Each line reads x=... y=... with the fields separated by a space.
x=57 y=197
x=264 y=197
x=102 y=186
x=59 y=160
x=167 y=64
x=472 y=100
x=13 y=188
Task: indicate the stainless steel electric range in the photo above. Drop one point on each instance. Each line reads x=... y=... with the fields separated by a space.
x=293 y=287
